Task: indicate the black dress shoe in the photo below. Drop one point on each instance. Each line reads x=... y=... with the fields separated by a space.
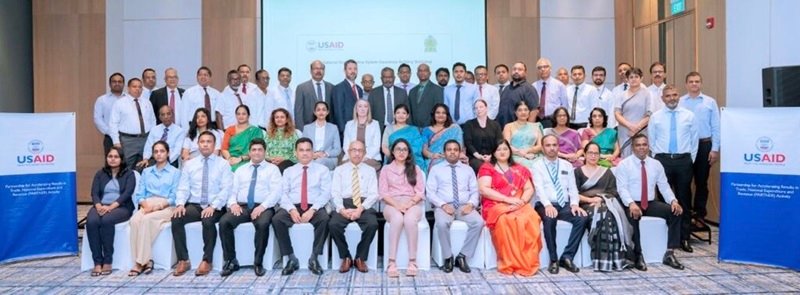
x=553 y=268
x=686 y=246
x=640 y=263
x=672 y=261
x=461 y=263
x=447 y=266
x=314 y=267
x=278 y=264
x=290 y=267
x=568 y=265
x=229 y=267
x=259 y=270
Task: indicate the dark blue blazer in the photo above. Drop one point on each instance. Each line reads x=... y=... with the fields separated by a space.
x=343 y=102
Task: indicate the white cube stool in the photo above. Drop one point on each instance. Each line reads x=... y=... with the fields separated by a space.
x=244 y=236
x=302 y=236
x=163 y=248
x=490 y=254
x=458 y=233
x=194 y=243
x=352 y=234
x=653 y=235
x=122 y=259
x=423 y=247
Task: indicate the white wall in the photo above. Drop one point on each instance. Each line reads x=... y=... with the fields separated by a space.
x=578 y=32
x=154 y=34
x=760 y=34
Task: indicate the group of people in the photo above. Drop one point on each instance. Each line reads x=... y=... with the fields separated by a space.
x=509 y=156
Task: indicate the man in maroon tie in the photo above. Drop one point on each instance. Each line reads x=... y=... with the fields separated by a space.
x=170 y=95
x=637 y=177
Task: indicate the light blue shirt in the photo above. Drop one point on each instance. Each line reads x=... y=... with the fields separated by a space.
x=175 y=137
x=110 y=192
x=469 y=92
x=220 y=178
x=158 y=183
x=658 y=131
x=706 y=112
x=556 y=95
x=439 y=186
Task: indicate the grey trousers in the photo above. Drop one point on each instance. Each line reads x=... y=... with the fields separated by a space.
x=442 y=227
x=133 y=147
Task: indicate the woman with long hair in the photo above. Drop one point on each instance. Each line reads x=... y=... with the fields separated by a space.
x=365 y=129
x=442 y=129
x=605 y=138
x=236 y=141
x=402 y=130
x=524 y=137
x=280 y=139
x=325 y=137
x=200 y=122
x=569 y=141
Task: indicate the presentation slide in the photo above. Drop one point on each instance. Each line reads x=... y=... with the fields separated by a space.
x=376 y=34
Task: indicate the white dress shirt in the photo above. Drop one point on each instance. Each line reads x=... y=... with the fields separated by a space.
x=228 y=104
x=175 y=138
x=250 y=88
x=318 y=186
x=179 y=113
x=343 y=185
x=407 y=86
x=655 y=93
x=146 y=92
x=556 y=95
x=194 y=97
x=439 y=186
x=658 y=131
x=256 y=100
x=491 y=94
x=268 y=184
x=102 y=111
x=545 y=190
x=319 y=136
x=125 y=117
x=372 y=136
x=194 y=148
x=321 y=86
x=606 y=101
x=587 y=100
x=278 y=99
x=220 y=178
x=629 y=180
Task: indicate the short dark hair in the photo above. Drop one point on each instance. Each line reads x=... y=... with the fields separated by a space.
x=448 y=121
x=231 y=72
x=259 y=72
x=258 y=141
x=500 y=66
x=638 y=136
x=350 y=61
x=302 y=140
x=321 y=102
x=624 y=63
x=591 y=143
x=599 y=69
x=632 y=71
x=207 y=133
x=284 y=69
x=204 y=68
x=116 y=74
x=442 y=69
x=404 y=65
x=246 y=108
x=452 y=141
x=694 y=74
x=132 y=80
x=657 y=63
x=241 y=66
x=479 y=67
x=602 y=112
x=577 y=67
x=148 y=70
x=459 y=64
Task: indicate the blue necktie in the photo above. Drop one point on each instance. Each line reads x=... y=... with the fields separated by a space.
x=319 y=92
x=164 y=136
x=456 y=202
x=204 y=185
x=673 y=133
x=458 y=103
x=288 y=99
x=251 y=192
x=556 y=184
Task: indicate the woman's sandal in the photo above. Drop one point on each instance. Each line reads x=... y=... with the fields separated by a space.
x=391 y=271
x=96 y=271
x=148 y=268
x=134 y=273
x=412 y=268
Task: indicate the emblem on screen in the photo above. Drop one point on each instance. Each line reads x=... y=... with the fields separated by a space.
x=35 y=146
x=430 y=44
x=764 y=144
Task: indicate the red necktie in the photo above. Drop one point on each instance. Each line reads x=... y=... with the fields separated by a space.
x=172 y=100
x=355 y=91
x=542 y=100
x=244 y=88
x=304 y=190
x=644 y=187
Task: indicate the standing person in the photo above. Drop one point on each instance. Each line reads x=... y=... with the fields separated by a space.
x=442 y=76
x=311 y=91
x=200 y=123
x=284 y=94
x=236 y=141
x=518 y=90
x=480 y=136
x=170 y=95
x=404 y=73
x=581 y=99
x=524 y=137
x=148 y=82
x=501 y=75
x=130 y=123
x=325 y=136
x=203 y=95
x=103 y=106
x=383 y=101
x=262 y=99
x=231 y=99
x=552 y=93
x=658 y=72
x=423 y=97
x=486 y=91
x=280 y=137
x=345 y=95
x=460 y=96
x=167 y=132
x=367 y=83
x=604 y=96
x=632 y=110
x=441 y=130
x=363 y=128
x=112 y=188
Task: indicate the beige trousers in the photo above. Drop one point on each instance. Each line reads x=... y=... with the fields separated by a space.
x=145 y=228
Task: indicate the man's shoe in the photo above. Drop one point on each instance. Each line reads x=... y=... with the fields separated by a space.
x=314 y=267
x=347 y=262
x=259 y=270
x=203 y=269
x=672 y=261
x=229 y=267
x=568 y=265
x=361 y=265
x=181 y=268
x=640 y=263
x=290 y=267
x=447 y=266
x=686 y=246
x=553 y=268
x=461 y=263
x=278 y=264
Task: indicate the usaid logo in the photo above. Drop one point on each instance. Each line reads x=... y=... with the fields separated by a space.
x=36 y=155
x=314 y=45
x=765 y=156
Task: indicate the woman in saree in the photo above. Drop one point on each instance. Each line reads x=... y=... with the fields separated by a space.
x=525 y=137
x=236 y=141
x=506 y=190
x=605 y=138
x=199 y=123
x=441 y=130
x=280 y=139
x=632 y=111
x=610 y=233
x=569 y=141
x=401 y=129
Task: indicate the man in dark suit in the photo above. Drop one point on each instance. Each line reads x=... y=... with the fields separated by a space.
x=169 y=95
x=383 y=100
x=345 y=95
x=309 y=92
x=423 y=97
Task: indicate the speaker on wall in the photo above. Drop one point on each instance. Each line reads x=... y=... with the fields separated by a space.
x=781 y=86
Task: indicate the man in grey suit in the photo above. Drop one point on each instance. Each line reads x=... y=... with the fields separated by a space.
x=309 y=92
x=383 y=100
x=423 y=97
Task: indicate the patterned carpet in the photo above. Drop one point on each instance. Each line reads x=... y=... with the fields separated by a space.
x=703 y=275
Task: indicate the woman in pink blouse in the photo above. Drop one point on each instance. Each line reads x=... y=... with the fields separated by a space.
x=402 y=189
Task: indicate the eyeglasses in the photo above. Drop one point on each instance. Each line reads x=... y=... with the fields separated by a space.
x=543 y=67
x=401 y=150
x=356 y=150
x=592 y=153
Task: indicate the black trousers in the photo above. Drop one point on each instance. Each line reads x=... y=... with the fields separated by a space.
x=700 y=171
x=285 y=164
x=476 y=164
x=209 y=231
x=281 y=222
x=577 y=126
x=368 y=222
x=660 y=210
x=100 y=233
x=229 y=222
x=107 y=144
x=547 y=121
x=679 y=175
x=549 y=227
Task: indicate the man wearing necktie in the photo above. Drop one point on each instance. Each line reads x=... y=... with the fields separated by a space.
x=423 y=97
x=673 y=134
x=582 y=99
x=170 y=95
x=202 y=193
x=168 y=132
x=404 y=74
x=306 y=191
x=453 y=189
x=383 y=100
x=255 y=191
x=345 y=95
x=557 y=199
x=231 y=99
x=130 y=123
x=637 y=177
x=354 y=192
x=552 y=93
x=309 y=93
x=618 y=92
x=460 y=97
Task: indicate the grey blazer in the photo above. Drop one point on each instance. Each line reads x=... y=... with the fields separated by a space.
x=305 y=98
x=332 y=145
x=377 y=102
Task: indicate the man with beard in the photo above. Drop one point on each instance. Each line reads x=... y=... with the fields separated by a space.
x=518 y=90
x=102 y=108
x=603 y=95
x=442 y=76
x=658 y=71
x=404 y=73
x=345 y=95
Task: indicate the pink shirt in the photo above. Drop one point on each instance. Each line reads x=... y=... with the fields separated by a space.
x=393 y=182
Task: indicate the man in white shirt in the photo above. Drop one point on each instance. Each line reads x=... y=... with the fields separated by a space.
x=604 y=96
x=618 y=92
x=148 y=82
x=501 y=75
x=581 y=99
x=103 y=105
x=557 y=199
x=637 y=177
x=131 y=120
x=260 y=99
x=167 y=132
x=203 y=95
x=673 y=140
x=404 y=74
x=231 y=99
x=486 y=91
x=658 y=72
x=306 y=191
x=453 y=190
x=552 y=93
x=247 y=87
x=284 y=96
x=202 y=193
x=354 y=192
x=255 y=191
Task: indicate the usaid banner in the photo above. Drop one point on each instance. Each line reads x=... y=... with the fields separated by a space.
x=760 y=189
x=37 y=186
